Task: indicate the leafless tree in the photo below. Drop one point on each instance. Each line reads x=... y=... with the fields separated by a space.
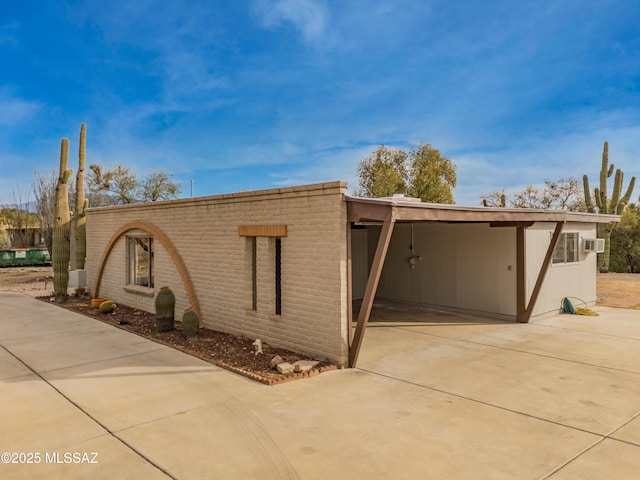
x=44 y=191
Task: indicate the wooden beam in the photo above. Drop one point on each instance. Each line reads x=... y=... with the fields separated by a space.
x=359 y=211
x=543 y=272
x=262 y=230
x=372 y=286
x=441 y=213
x=349 y=285
x=510 y=224
x=521 y=273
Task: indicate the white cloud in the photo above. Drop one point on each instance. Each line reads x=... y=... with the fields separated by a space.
x=325 y=166
x=310 y=17
x=14 y=111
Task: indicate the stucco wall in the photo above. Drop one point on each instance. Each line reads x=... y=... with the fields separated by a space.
x=204 y=232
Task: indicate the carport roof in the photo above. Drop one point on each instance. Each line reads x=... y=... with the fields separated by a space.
x=403 y=209
x=390 y=211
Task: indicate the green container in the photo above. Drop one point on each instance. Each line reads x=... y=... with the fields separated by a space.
x=16 y=257
x=7 y=258
x=38 y=256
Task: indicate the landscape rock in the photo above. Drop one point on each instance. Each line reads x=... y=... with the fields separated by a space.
x=285 y=367
x=275 y=361
x=304 y=365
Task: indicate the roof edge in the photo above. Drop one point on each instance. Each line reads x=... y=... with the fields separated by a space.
x=407 y=210
x=337 y=187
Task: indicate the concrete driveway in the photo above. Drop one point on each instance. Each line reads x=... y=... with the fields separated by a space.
x=459 y=397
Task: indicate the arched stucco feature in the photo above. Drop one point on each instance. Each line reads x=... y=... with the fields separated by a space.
x=169 y=247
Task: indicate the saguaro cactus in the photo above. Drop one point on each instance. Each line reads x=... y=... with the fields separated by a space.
x=81 y=204
x=62 y=228
x=615 y=206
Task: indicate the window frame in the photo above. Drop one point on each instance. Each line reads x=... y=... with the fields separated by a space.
x=253 y=243
x=569 y=256
x=277 y=251
x=133 y=276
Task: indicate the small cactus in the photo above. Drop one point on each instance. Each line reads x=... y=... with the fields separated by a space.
x=165 y=306
x=190 y=324
x=108 y=307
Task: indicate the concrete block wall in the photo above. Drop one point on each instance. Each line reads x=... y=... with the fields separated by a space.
x=204 y=231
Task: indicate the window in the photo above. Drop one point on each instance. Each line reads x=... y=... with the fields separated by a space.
x=140 y=261
x=567 y=249
x=263 y=266
x=254 y=273
x=278 y=272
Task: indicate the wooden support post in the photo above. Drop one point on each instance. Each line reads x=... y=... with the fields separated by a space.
x=544 y=268
x=349 y=286
x=521 y=272
x=372 y=286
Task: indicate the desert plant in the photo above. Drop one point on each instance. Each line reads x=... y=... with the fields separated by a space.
x=190 y=324
x=613 y=206
x=81 y=204
x=165 y=306
x=62 y=228
x=107 y=307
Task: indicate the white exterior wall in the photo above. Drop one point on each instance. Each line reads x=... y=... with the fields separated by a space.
x=473 y=267
x=204 y=232
x=562 y=280
x=466 y=266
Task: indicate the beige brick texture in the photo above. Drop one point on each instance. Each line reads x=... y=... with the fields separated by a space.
x=204 y=233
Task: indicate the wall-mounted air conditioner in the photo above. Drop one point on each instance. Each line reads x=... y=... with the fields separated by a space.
x=593 y=245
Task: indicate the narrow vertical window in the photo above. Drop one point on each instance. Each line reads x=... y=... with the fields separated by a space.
x=278 y=271
x=254 y=274
x=140 y=259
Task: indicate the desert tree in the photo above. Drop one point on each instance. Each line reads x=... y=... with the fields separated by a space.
x=119 y=185
x=158 y=186
x=44 y=192
x=625 y=242
x=421 y=172
x=561 y=194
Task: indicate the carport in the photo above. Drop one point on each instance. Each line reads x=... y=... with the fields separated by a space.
x=530 y=273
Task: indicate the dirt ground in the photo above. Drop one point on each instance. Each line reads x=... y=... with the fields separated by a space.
x=619 y=290
x=26 y=278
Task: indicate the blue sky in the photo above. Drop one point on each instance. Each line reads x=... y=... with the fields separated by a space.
x=243 y=95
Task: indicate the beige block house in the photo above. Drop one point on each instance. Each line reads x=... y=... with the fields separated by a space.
x=285 y=265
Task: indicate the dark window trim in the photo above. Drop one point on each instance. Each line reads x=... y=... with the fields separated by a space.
x=278 y=275
x=254 y=274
